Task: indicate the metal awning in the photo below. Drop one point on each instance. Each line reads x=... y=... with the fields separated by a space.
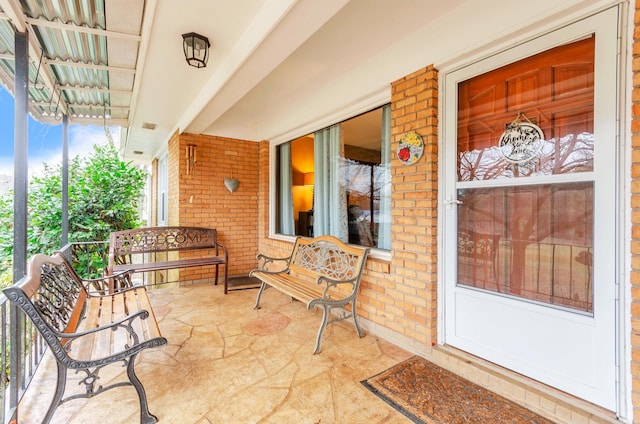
x=83 y=57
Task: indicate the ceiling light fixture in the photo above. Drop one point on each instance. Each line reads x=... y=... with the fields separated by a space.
x=196 y=49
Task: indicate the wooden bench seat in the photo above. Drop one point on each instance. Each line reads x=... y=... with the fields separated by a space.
x=139 y=250
x=320 y=272
x=87 y=331
x=301 y=290
x=162 y=265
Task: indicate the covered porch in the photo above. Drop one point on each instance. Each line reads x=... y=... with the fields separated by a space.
x=278 y=72
x=229 y=363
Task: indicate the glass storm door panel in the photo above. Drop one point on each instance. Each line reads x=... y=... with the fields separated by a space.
x=530 y=246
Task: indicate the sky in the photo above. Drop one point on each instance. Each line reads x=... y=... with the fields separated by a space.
x=45 y=141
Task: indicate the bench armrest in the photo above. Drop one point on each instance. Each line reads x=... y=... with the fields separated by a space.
x=221 y=247
x=329 y=282
x=100 y=285
x=268 y=260
x=125 y=323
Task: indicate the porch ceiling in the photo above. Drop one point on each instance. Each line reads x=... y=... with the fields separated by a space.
x=83 y=57
x=275 y=67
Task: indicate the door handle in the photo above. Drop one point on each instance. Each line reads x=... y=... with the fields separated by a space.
x=451 y=201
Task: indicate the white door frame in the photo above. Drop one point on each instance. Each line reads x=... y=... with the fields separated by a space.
x=622 y=210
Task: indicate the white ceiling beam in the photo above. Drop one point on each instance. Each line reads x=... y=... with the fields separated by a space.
x=97 y=108
x=9 y=56
x=88 y=66
x=147 y=23
x=91 y=89
x=98 y=122
x=85 y=120
x=78 y=28
x=273 y=35
x=265 y=21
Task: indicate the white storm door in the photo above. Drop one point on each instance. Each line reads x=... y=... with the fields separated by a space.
x=530 y=217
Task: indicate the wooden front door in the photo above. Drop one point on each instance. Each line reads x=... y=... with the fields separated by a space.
x=531 y=206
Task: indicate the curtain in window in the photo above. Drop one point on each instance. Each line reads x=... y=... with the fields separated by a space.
x=384 y=226
x=286 y=196
x=330 y=201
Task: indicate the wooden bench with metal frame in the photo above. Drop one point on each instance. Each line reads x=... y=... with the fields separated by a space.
x=87 y=331
x=136 y=250
x=320 y=272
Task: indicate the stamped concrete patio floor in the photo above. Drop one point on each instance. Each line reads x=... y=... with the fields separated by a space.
x=228 y=363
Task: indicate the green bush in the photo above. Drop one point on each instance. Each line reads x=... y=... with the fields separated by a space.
x=104 y=193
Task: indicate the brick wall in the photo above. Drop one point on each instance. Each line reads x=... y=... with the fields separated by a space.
x=405 y=302
x=635 y=229
x=204 y=201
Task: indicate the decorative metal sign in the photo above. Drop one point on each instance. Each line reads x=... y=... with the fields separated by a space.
x=521 y=141
x=410 y=148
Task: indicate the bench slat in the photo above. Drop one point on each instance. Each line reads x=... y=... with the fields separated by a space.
x=157 y=266
x=302 y=290
x=104 y=339
x=151 y=328
x=132 y=304
x=83 y=349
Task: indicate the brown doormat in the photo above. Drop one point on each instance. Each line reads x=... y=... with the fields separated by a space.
x=426 y=393
x=243 y=283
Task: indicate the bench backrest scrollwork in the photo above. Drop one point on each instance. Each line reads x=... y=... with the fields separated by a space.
x=161 y=239
x=52 y=296
x=329 y=257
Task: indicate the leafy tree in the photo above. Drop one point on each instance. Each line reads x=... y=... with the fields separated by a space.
x=104 y=193
x=6 y=239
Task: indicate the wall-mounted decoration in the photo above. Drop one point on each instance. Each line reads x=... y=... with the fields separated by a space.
x=521 y=141
x=410 y=148
x=191 y=157
x=231 y=184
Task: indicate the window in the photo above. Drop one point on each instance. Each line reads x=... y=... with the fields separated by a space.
x=337 y=181
x=163 y=189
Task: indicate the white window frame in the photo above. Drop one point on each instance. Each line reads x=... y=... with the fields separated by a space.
x=375 y=100
x=162 y=215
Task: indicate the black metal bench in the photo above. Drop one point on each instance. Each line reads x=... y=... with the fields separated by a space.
x=320 y=272
x=86 y=331
x=137 y=250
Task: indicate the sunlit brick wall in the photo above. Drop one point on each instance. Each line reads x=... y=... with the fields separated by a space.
x=204 y=201
x=405 y=299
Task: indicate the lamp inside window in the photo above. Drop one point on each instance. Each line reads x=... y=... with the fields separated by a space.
x=308 y=179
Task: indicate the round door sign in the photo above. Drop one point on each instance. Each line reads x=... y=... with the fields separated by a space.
x=521 y=142
x=410 y=148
